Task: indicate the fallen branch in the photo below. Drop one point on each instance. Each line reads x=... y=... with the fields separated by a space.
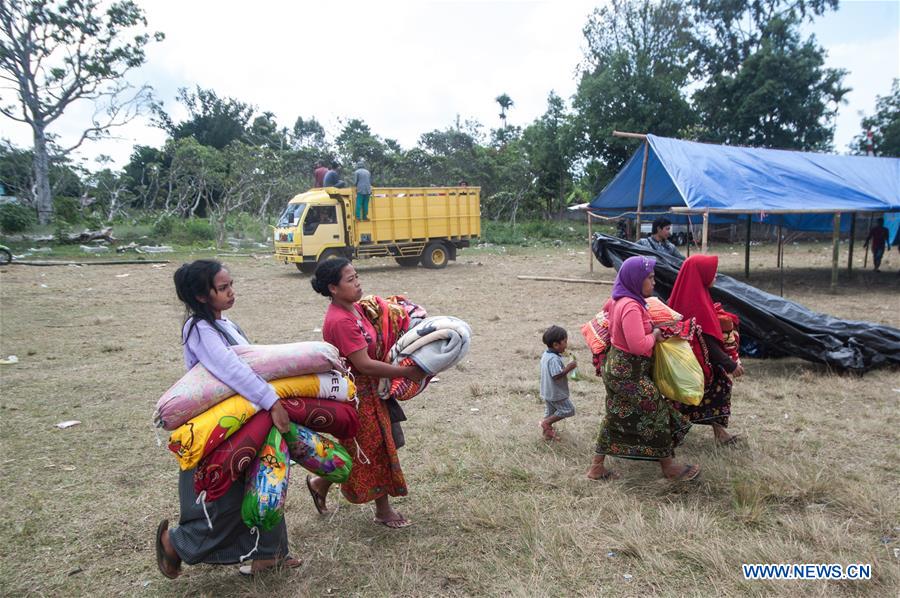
x=90 y=263
x=553 y=279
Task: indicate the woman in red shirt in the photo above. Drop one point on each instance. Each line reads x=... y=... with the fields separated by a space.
x=376 y=473
x=640 y=423
x=690 y=297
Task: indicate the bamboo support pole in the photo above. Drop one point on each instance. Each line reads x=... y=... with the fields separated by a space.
x=779 y=252
x=590 y=250
x=640 y=205
x=850 y=248
x=705 y=246
x=747 y=249
x=836 y=249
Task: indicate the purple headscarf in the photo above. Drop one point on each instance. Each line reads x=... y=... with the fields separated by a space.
x=631 y=277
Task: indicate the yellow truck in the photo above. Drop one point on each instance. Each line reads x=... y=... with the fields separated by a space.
x=411 y=224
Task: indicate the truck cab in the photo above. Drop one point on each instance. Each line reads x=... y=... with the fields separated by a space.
x=312 y=223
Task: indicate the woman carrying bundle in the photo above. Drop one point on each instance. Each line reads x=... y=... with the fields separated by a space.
x=376 y=473
x=640 y=423
x=690 y=297
x=206 y=289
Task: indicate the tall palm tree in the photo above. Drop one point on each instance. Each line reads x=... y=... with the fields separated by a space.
x=506 y=103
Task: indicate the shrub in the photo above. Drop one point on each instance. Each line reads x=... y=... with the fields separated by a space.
x=197 y=229
x=163 y=227
x=68 y=209
x=16 y=218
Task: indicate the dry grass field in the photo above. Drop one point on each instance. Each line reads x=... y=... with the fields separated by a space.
x=496 y=510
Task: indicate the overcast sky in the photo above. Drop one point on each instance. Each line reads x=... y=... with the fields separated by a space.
x=406 y=68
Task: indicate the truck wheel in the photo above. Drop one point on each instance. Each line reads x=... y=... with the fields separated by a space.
x=435 y=256
x=407 y=262
x=307 y=268
x=330 y=254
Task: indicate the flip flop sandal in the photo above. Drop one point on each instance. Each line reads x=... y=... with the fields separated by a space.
x=162 y=559
x=247 y=570
x=685 y=475
x=733 y=441
x=398 y=523
x=606 y=476
x=318 y=499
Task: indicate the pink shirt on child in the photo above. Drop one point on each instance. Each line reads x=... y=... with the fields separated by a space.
x=630 y=329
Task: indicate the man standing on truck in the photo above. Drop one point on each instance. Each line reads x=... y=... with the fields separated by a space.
x=659 y=238
x=319 y=174
x=362 y=180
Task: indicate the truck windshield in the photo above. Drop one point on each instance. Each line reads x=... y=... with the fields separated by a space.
x=291 y=215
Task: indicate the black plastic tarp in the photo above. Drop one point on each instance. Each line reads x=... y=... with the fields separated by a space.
x=772 y=326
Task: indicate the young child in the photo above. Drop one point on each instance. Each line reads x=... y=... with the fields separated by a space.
x=554 y=383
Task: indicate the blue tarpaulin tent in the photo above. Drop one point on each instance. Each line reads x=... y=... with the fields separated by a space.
x=731 y=182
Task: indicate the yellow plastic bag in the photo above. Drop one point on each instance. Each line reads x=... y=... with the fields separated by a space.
x=676 y=372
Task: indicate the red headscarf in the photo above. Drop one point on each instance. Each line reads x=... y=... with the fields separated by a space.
x=690 y=294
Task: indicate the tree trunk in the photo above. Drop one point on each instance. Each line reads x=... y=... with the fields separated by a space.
x=43 y=199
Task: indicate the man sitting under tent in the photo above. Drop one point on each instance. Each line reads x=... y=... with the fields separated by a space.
x=658 y=240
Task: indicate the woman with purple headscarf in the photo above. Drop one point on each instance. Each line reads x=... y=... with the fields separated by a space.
x=640 y=423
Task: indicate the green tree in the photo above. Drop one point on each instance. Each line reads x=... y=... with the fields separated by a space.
x=212 y=121
x=640 y=54
x=53 y=54
x=308 y=133
x=885 y=125
x=506 y=103
x=356 y=142
x=549 y=146
x=764 y=85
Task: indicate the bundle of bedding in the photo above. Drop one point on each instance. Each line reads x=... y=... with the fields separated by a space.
x=198 y=389
x=436 y=344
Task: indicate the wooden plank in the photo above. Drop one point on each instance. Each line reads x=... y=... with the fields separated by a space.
x=554 y=279
x=629 y=135
x=87 y=263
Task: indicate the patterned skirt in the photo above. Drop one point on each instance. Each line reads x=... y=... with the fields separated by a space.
x=639 y=422
x=376 y=468
x=715 y=408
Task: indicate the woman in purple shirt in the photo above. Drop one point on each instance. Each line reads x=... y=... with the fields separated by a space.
x=206 y=289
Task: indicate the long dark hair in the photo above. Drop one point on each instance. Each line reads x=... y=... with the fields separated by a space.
x=192 y=280
x=328 y=272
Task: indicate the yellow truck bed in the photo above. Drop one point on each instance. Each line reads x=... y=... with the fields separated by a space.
x=419 y=213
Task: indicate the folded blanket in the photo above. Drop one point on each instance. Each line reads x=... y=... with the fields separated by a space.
x=227 y=463
x=341 y=420
x=660 y=313
x=204 y=433
x=198 y=390
x=596 y=333
x=436 y=344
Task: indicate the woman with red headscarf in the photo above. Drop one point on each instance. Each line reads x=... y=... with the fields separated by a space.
x=690 y=297
x=640 y=423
